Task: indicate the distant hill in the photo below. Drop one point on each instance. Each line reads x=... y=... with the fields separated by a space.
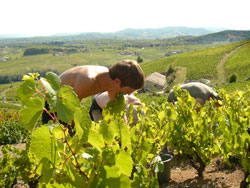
x=159 y=33
x=175 y=35
x=166 y=32
x=8 y=36
x=223 y=36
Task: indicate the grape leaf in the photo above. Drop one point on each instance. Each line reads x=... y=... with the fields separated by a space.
x=124 y=163
x=95 y=138
x=125 y=137
x=107 y=131
x=31 y=113
x=115 y=106
x=41 y=144
x=67 y=104
x=26 y=90
x=51 y=94
x=45 y=169
x=54 y=80
x=112 y=172
x=77 y=120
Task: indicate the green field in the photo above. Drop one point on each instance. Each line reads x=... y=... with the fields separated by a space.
x=200 y=64
x=239 y=64
x=192 y=62
x=102 y=52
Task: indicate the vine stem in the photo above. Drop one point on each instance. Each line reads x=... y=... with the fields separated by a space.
x=73 y=153
x=41 y=85
x=39 y=92
x=67 y=158
x=49 y=113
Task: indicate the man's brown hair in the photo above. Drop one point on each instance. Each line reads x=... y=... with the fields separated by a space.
x=129 y=72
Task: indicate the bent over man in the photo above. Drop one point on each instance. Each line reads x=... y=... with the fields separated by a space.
x=197 y=90
x=123 y=77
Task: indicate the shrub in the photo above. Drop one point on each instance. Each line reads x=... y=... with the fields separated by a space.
x=233 y=78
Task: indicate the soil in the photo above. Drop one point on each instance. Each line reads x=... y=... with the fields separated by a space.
x=183 y=175
x=215 y=176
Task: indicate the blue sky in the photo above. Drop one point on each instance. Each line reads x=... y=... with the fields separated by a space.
x=46 y=17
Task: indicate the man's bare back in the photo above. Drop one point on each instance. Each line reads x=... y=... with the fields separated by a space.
x=89 y=80
x=84 y=79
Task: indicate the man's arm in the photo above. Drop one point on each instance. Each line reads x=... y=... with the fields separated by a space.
x=132 y=99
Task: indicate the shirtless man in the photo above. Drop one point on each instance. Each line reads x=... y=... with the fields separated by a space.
x=123 y=77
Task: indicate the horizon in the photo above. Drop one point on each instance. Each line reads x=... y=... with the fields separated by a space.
x=76 y=33
x=46 y=18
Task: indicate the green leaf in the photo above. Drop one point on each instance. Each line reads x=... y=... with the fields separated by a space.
x=57 y=131
x=107 y=131
x=125 y=181
x=77 y=120
x=41 y=144
x=85 y=124
x=124 y=163
x=115 y=106
x=53 y=184
x=108 y=155
x=122 y=181
x=95 y=138
x=125 y=137
x=67 y=104
x=54 y=80
x=45 y=169
x=71 y=178
x=55 y=158
x=76 y=178
x=112 y=172
x=147 y=144
x=92 y=152
x=248 y=178
x=51 y=94
x=52 y=86
x=246 y=164
x=161 y=115
x=30 y=76
x=26 y=90
x=115 y=127
x=31 y=113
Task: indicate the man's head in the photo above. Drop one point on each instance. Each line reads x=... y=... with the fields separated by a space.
x=130 y=75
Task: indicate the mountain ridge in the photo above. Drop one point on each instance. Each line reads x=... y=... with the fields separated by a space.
x=131 y=32
x=175 y=36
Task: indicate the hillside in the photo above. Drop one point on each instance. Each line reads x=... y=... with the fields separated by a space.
x=223 y=36
x=203 y=64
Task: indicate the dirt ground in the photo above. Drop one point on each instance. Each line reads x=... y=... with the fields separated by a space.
x=185 y=176
x=215 y=176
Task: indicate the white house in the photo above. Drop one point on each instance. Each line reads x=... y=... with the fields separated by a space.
x=155 y=80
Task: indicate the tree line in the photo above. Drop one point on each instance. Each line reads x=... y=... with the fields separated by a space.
x=39 y=51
